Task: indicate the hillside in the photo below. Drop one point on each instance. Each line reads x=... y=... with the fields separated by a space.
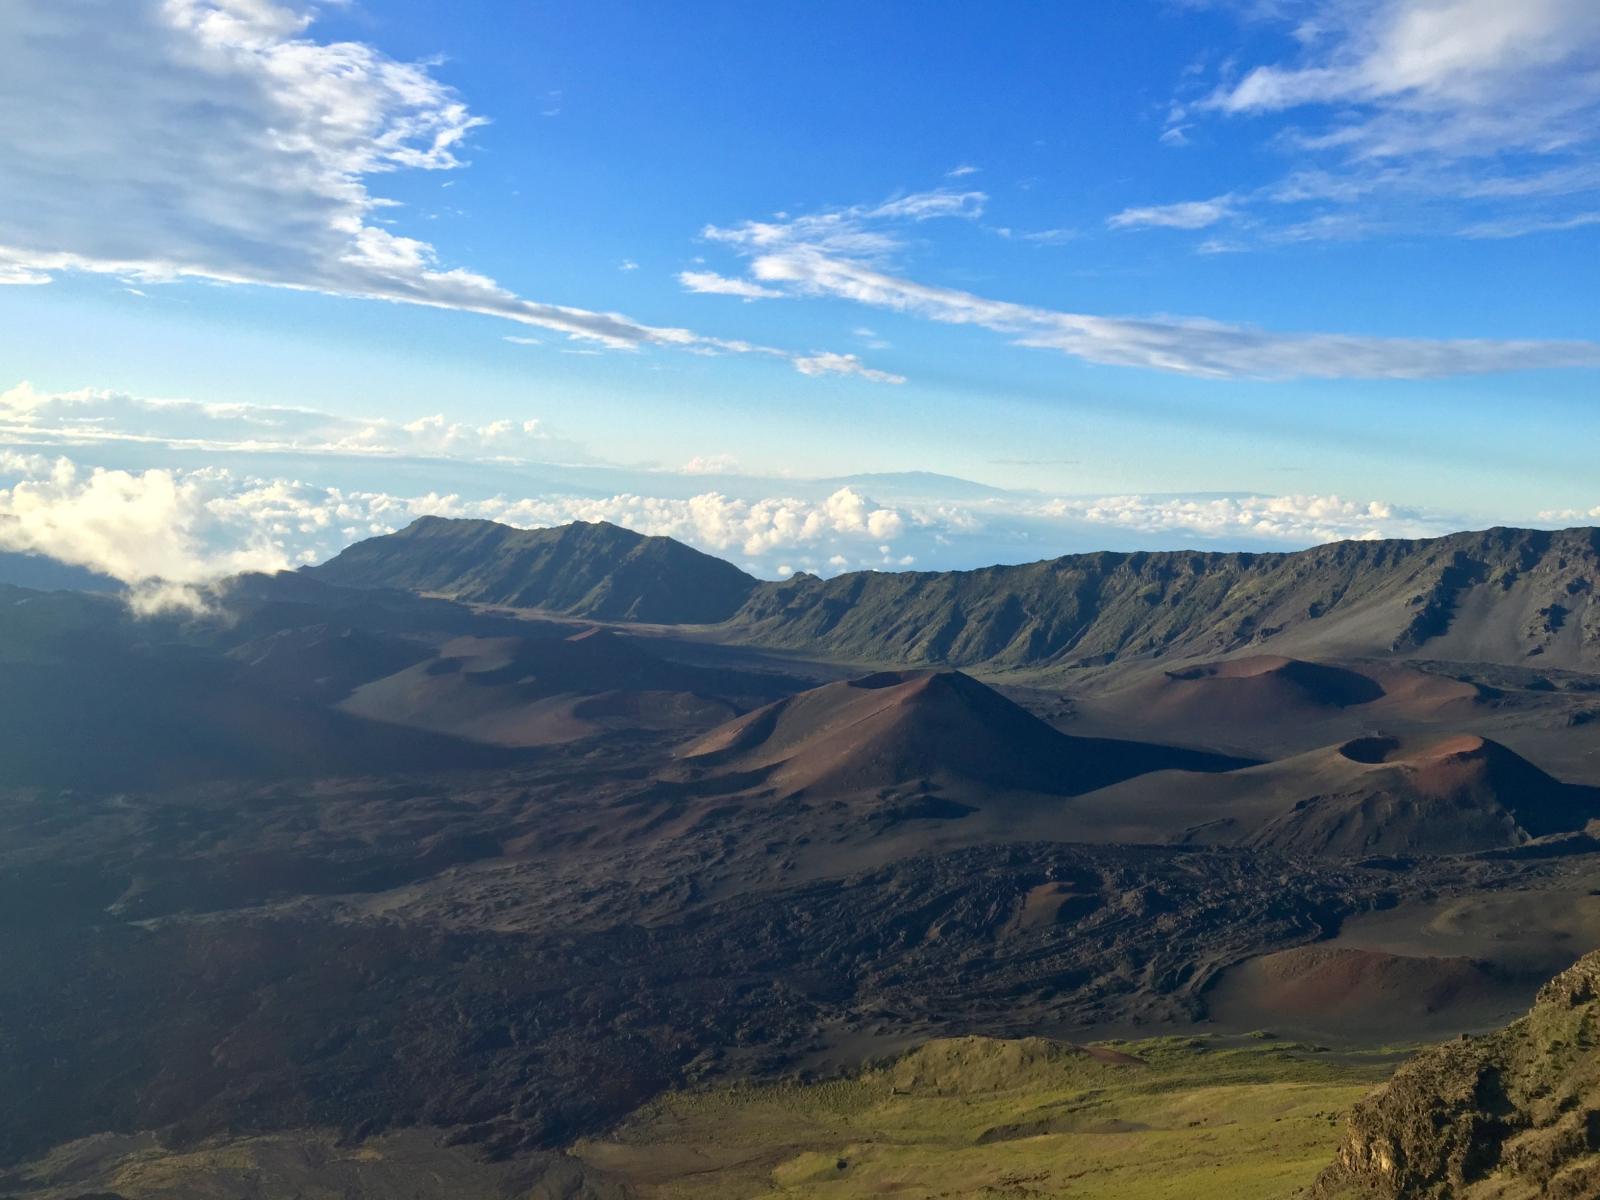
x=1512 y=1115
x=545 y=690
x=1510 y=596
x=923 y=729
x=1503 y=595
x=1424 y=795
x=1430 y=796
x=591 y=570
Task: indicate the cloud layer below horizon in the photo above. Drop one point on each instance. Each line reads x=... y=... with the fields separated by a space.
x=166 y=530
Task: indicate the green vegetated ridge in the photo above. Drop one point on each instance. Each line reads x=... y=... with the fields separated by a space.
x=1170 y=1118
x=1494 y=596
x=1511 y=1116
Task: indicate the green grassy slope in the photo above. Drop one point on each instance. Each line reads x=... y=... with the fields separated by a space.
x=1171 y=1118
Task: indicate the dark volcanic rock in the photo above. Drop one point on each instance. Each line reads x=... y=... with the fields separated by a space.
x=254 y=1022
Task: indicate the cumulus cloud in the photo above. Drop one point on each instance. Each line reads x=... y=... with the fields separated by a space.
x=1406 y=109
x=1569 y=515
x=714 y=521
x=851 y=254
x=96 y=415
x=170 y=533
x=188 y=527
x=161 y=140
x=711 y=464
x=1299 y=518
x=167 y=533
x=156 y=531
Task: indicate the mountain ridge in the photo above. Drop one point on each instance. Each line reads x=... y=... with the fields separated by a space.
x=1501 y=595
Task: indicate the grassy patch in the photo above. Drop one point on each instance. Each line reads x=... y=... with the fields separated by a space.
x=1183 y=1118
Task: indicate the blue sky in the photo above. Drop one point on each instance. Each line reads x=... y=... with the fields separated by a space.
x=1241 y=274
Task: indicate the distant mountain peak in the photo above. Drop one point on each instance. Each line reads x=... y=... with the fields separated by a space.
x=589 y=569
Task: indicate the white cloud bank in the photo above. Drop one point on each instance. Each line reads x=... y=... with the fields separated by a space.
x=159 y=140
x=1303 y=519
x=849 y=254
x=168 y=533
x=89 y=416
x=163 y=534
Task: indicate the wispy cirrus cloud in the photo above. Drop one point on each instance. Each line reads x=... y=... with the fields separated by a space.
x=162 y=140
x=1513 y=227
x=829 y=363
x=853 y=254
x=709 y=283
x=1425 y=116
x=1187 y=214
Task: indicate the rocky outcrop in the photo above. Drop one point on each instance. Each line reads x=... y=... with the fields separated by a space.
x=1510 y=1115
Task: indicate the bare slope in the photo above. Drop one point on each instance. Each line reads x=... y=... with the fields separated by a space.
x=896 y=728
x=539 y=691
x=1363 y=993
x=117 y=718
x=1432 y=796
x=1428 y=795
